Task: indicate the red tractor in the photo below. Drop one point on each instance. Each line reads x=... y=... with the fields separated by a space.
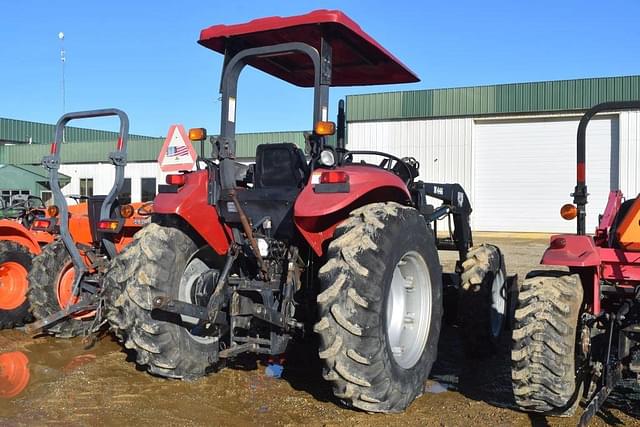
x=243 y=258
x=577 y=332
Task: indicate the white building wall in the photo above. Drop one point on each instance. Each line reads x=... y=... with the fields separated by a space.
x=103 y=175
x=630 y=153
x=442 y=146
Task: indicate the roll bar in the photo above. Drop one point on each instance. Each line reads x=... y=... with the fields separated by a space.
x=580 y=194
x=51 y=162
x=234 y=63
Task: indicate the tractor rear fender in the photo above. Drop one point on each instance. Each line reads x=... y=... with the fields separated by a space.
x=317 y=214
x=15 y=232
x=572 y=251
x=190 y=202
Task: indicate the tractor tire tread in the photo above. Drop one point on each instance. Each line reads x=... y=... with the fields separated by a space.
x=479 y=269
x=130 y=286
x=353 y=353
x=43 y=298
x=20 y=315
x=544 y=340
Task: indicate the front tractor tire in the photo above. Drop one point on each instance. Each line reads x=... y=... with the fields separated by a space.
x=544 y=358
x=50 y=290
x=15 y=263
x=483 y=300
x=380 y=308
x=159 y=262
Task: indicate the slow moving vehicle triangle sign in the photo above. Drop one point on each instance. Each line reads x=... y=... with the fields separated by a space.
x=177 y=153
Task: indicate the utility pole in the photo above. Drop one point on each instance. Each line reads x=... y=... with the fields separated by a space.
x=62 y=60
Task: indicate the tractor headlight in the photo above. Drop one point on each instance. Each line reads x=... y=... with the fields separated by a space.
x=327 y=158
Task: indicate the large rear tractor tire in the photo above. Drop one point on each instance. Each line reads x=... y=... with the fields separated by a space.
x=50 y=290
x=15 y=263
x=543 y=357
x=380 y=308
x=483 y=300
x=160 y=261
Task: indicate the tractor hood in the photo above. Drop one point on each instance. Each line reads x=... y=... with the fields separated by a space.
x=358 y=59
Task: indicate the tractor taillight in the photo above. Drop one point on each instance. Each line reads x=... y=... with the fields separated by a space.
x=40 y=224
x=108 y=225
x=334 y=177
x=176 y=179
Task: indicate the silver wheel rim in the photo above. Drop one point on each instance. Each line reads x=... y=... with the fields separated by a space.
x=498 y=304
x=191 y=273
x=408 y=310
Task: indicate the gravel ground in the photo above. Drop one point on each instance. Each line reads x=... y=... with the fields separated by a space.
x=69 y=385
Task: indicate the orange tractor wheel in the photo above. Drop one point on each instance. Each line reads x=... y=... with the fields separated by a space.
x=15 y=263
x=50 y=290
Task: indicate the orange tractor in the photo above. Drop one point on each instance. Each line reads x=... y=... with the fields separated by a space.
x=18 y=245
x=65 y=279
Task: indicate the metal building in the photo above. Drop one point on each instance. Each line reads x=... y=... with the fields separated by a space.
x=511 y=146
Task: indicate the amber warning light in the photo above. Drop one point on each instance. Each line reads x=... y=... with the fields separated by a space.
x=53 y=210
x=325 y=128
x=126 y=211
x=197 y=134
x=568 y=211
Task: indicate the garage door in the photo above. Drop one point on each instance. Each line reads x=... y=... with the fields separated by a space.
x=525 y=170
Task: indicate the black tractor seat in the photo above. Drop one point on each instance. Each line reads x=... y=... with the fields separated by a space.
x=280 y=165
x=279 y=174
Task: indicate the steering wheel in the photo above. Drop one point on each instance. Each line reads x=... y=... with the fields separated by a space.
x=384 y=164
x=411 y=161
x=28 y=210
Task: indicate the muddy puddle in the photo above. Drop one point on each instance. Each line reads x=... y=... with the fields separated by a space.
x=58 y=382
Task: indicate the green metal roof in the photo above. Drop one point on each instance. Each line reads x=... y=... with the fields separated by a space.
x=27 y=177
x=21 y=131
x=137 y=151
x=517 y=98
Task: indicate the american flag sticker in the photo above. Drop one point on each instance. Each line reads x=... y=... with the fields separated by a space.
x=177 y=151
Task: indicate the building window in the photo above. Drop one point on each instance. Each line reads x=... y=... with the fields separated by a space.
x=86 y=187
x=47 y=197
x=148 y=189
x=125 y=194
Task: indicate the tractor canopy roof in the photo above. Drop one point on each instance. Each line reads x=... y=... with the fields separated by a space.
x=357 y=58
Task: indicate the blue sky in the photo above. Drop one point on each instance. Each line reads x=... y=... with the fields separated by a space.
x=142 y=56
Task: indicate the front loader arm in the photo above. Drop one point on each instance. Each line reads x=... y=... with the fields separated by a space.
x=455 y=203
